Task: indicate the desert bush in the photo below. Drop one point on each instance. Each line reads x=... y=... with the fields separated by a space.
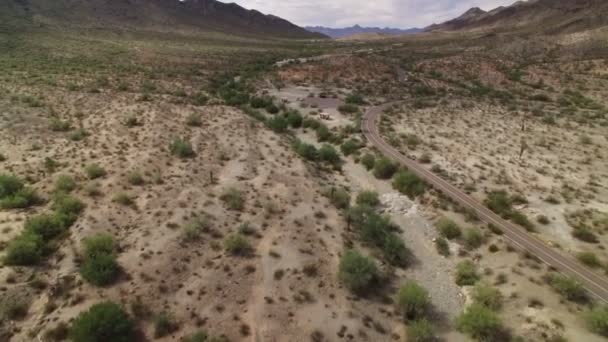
x=99 y=266
x=278 y=124
x=413 y=301
x=542 y=219
x=368 y=198
x=355 y=99
x=568 y=287
x=501 y=203
x=590 y=259
x=408 y=183
x=350 y=146
x=394 y=250
x=348 y=108
x=328 y=154
x=135 y=178
x=304 y=150
x=237 y=244
x=487 y=296
x=123 y=199
x=234 y=199
x=47 y=226
x=420 y=331
x=466 y=273
x=202 y=336
x=260 y=102
x=103 y=322
x=479 y=322
x=199 y=99
x=323 y=133
x=79 y=134
x=164 y=324
x=67 y=207
x=357 y=272
x=24 y=250
x=14 y=194
x=368 y=160
x=597 y=320
x=294 y=118
x=384 y=168
x=443 y=248
x=181 y=148
x=339 y=197
x=473 y=238
x=585 y=234
x=65 y=183
x=60 y=126
x=448 y=228
x=194 y=120
x=94 y=171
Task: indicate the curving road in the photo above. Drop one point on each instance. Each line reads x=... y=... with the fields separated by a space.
x=595 y=284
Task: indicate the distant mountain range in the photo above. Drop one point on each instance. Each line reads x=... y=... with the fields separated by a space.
x=154 y=15
x=545 y=16
x=349 y=31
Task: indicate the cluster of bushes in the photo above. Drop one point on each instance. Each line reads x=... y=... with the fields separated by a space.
x=99 y=266
x=502 y=203
x=597 y=320
x=480 y=320
x=14 y=194
x=42 y=231
x=408 y=183
x=280 y=123
x=327 y=153
x=348 y=108
x=568 y=287
x=379 y=231
x=234 y=93
x=466 y=273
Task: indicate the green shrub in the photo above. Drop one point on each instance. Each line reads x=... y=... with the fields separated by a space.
x=522 y=220
x=99 y=266
x=24 y=250
x=420 y=331
x=443 y=248
x=14 y=194
x=480 y=323
x=202 y=336
x=260 y=102
x=368 y=160
x=348 y=108
x=355 y=99
x=590 y=259
x=135 y=178
x=448 y=228
x=487 y=296
x=394 y=250
x=272 y=109
x=384 y=168
x=47 y=226
x=357 y=272
x=350 y=146
x=339 y=197
x=103 y=322
x=234 y=199
x=369 y=198
x=466 y=273
x=181 y=148
x=294 y=118
x=67 y=207
x=194 y=120
x=60 y=126
x=278 y=124
x=237 y=244
x=323 y=133
x=78 y=134
x=164 y=325
x=413 y=301
x=408 y=183
x=328 y=154
x=597 y=320
x=473 y=238
x=585 y=234
x=65 y=183
x=304 y=150
x=95 y=171
x=123 y=199
x=568 y=287
x=499 y=202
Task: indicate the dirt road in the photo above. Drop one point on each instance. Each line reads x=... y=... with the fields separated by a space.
x=595 y=284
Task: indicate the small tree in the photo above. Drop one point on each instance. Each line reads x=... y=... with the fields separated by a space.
x=479 y=322
x=103 y=322
x=328 y=153
x=357 y=272
x=413 y=301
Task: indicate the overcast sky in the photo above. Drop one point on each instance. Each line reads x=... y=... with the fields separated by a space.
x=393 y=13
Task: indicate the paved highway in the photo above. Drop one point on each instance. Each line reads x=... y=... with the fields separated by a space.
x=596 y=285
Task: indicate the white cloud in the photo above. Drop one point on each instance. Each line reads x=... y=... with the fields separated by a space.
x=393 y=13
